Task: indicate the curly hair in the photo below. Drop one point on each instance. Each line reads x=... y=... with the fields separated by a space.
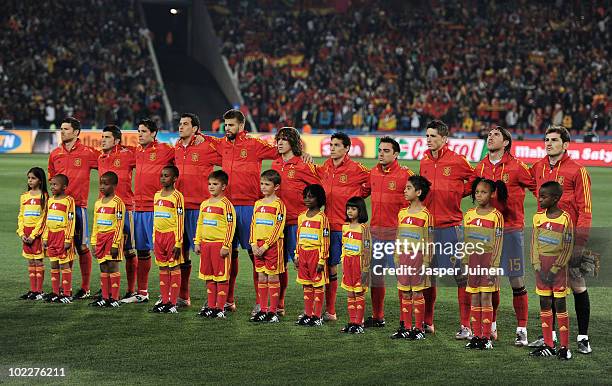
x=291 y=135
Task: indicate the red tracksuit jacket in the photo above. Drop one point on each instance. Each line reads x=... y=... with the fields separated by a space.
x=122 y=161
x=295 y=176
x=76 y=164
x=515 y=174
x=195 y=163
x=150 y=161
x=449 y=175
x=242 y=162
x=341 y=183
x=576 y=183
x=387 y=189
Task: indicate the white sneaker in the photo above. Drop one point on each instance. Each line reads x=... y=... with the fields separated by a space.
x=256 y=310
x=142 y=298
x=158 y=301
x=521 y=338
x=130 y=299
x=584 y=347
x=329 y=317
x=463 y=333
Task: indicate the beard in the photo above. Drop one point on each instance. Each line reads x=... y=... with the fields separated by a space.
x=230 y=136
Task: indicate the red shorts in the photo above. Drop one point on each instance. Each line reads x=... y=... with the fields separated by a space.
x=351 y=274
x=212 y=265
x=55 y=248
x=104 y=244
x=483 y=281
x=308 y=260
x=558 y=288
x=408 y=271
x=272 y=261
x=34 y=250
x=163 y=247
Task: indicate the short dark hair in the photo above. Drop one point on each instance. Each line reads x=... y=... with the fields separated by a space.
x=562 y=131
x=387 y=139
x=555 y=188
x=317 y=192
x=293 y=137
x=195 y=120
x=362 y=212
x=505 y=134
x=114 y=130
x=219 y=175
x=234 y=114
x=420 y=183
x=440 y=126
x=496 y=186
x=173 y=169
x=149 y=124
x=62 y=178
x=272 y=176
x=75 y=123
x=346 y=141
x=112 y=177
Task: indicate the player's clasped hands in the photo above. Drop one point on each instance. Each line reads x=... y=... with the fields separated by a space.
x=224 y=253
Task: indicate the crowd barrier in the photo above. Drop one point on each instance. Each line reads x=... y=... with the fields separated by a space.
x=363 y=146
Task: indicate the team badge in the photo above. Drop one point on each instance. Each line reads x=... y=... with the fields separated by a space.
x=152 y=156
x=70 y=215
x=325 y=232
x=279 y=217
x=230 y=218
x=447 y=171
x=195 y=157
x=179 y=210
x=117 y=163
x=560 y=180
x=291 y=173
x=343 y=178
x=119 y=215
x=505 y=178
x=243 y=153
x=77 y=162
x=391 y=185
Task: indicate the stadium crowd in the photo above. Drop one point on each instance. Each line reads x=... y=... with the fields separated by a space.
x=86 y=59
x=395 y=65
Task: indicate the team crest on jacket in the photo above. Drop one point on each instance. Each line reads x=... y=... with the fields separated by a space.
x=505 y=178
x=343 y=178
x=446 y=171
x=195 y=157
x=291 y=173
x=152 y=156
x=117 y=163
x=560 y=180
x=243 y=153
x=391 y=185
x=77 y=162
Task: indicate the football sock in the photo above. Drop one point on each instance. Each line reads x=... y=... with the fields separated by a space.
x=430 y=294
x=352 y=311
x=465 y=301
x=360 y=307
x=115 y=284
x=211 y=293
x=233 y=276
x=105 y=285
x=67 y=281
x=520 y=301
x=406 y=314
x=563 y=321
x=378 y=302
x=330 y=294
x=318 y=301
x=487 y=316
x=284 y=281
x=55 y=280
x=418 y=309
x=547 y=331
x=222 y=289
x=32 y=276
x=40 y=277
x=476 y=317
x=308 y=300
x=85 y=265
x=164 y=286
x=582 y=305
x=131 y=269
x=175 y=284
x=185 y=274
x=273 y=290
x=495 y=301
x=144 y=266
x=262 y=295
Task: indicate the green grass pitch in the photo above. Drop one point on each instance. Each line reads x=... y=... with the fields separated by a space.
x=130 y=345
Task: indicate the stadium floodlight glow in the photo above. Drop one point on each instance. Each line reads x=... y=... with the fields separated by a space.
x=174 y=11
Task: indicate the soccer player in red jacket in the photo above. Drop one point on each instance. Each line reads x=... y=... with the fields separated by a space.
x=449 y=174
x=242 y=156
x=295 y=176
x=195 y=156
x=342 y=178
x=576 y=200
x=386 y=185
x=151 y=157
x=121 y=160
x=75 y=160
x=500 y=165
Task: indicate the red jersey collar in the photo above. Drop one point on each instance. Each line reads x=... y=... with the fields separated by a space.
x=293 y=160
x=443 y=150
x=151 y=145
x=392 y=167
x=192 y=141
x=76 y=146
x=504 y=159
x=565 y=157
x=345 y=160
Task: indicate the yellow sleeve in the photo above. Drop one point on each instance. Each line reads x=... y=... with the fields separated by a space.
x=297 y=237
x=230 y=215
x=535 y=253
x=498 y=241
x=567 y=246
x=366 y=251
x=180 y=220
x=325 y=235
x=252 y=240
x=40 y=224
x=427 y=253
x=279 y=226
x=69 y=235
x=94 y=231
x=198 y=238
x=118 y=238
x=45 y=235
x=20 y=220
